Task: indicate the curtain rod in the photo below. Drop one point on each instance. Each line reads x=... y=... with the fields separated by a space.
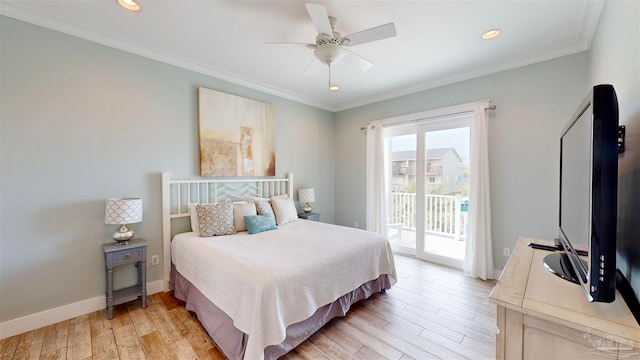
x=490 y=108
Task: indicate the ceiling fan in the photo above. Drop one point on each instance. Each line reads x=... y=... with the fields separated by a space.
x=330 y=46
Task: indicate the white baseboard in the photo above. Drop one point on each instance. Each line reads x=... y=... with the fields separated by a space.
x=497 y=273
x=62 y=313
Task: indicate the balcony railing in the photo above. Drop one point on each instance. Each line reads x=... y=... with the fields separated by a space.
x=434 y=170
x=444 y=214
x=404 y=170
x=411 y=170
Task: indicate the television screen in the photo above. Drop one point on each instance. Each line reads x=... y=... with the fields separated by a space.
x=575 y=172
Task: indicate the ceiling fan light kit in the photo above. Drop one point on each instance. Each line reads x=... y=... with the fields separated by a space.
x=490 y=34
x=130 y=5
x=329 y=53
x=330 y=46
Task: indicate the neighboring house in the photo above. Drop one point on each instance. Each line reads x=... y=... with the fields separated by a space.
x=446 y=173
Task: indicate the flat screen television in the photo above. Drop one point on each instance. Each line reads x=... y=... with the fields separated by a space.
x=588 y=196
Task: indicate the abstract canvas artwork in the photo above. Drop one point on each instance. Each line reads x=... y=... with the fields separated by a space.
x=237 y=135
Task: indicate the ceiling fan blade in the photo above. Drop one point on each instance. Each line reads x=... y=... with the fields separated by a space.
x=313 y=67
x=361 y=63
x=318 y=14
x=375 y=33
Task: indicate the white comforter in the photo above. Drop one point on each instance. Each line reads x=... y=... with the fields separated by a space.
x=270 y=280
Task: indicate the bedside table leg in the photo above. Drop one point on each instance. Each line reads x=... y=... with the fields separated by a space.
x=143 y=280
x=109 y=293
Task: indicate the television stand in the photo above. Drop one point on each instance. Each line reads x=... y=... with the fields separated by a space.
x=541 y=316
x=559 y=264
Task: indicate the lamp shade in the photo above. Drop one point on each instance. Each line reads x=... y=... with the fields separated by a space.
x=306 y=195
x=123 y=211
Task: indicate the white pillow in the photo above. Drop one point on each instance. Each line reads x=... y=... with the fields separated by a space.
x=240 y=210
x=194 y=217
x=285 y=211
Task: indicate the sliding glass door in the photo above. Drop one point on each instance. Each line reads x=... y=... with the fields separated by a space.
x=401 y=144
x=428 y=188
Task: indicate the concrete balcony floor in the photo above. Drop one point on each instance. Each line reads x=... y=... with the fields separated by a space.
x=438 y=244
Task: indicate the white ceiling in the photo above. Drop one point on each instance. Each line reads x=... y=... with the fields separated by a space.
x=438 y=42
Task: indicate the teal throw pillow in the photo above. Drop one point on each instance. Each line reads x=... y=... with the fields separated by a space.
x=259 y=223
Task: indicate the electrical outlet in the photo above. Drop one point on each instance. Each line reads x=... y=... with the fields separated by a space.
x=155 y=259
x=506 y=252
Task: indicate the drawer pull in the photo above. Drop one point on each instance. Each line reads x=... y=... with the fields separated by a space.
x=127 y=256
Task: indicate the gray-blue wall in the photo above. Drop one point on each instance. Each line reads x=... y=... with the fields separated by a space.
x=533 y=105
x=81 y=122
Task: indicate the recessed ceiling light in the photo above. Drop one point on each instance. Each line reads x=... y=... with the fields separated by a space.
x=490 y=34
x=129 y=5
x=334 y=87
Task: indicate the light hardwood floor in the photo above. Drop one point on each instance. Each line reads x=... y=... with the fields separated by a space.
x=433 y=312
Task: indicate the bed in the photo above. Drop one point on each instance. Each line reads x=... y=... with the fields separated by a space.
x=260 y=295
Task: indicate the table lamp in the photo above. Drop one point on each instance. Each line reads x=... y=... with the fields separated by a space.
x=306 y=196
x=122 y=212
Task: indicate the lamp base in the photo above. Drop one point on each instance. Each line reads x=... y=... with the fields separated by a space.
x=307 y=208
x=123 y=234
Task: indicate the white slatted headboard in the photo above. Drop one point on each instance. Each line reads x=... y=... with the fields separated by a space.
x=177 y=194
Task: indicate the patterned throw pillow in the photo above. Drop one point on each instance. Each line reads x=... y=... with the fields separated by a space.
x=264 y=207
x=215 y=219
x=259 y=223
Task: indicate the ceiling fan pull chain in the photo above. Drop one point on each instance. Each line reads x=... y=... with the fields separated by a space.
x=332 y=87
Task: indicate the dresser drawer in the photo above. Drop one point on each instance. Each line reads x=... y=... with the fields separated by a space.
x=127 y=256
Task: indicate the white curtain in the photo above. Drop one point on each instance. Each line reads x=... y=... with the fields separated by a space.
x=375 y=201
x=479 y=256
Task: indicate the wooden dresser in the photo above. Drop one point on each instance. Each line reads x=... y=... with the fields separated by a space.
x=541 y=316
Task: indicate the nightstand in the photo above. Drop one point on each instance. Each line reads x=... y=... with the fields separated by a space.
x=115 y=255
x=309 y=216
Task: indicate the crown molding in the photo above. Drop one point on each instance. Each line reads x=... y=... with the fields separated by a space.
x=14 y=11
x=469 y=75
x=584 y=35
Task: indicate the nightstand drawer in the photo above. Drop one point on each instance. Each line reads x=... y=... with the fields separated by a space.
x=127 y=256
